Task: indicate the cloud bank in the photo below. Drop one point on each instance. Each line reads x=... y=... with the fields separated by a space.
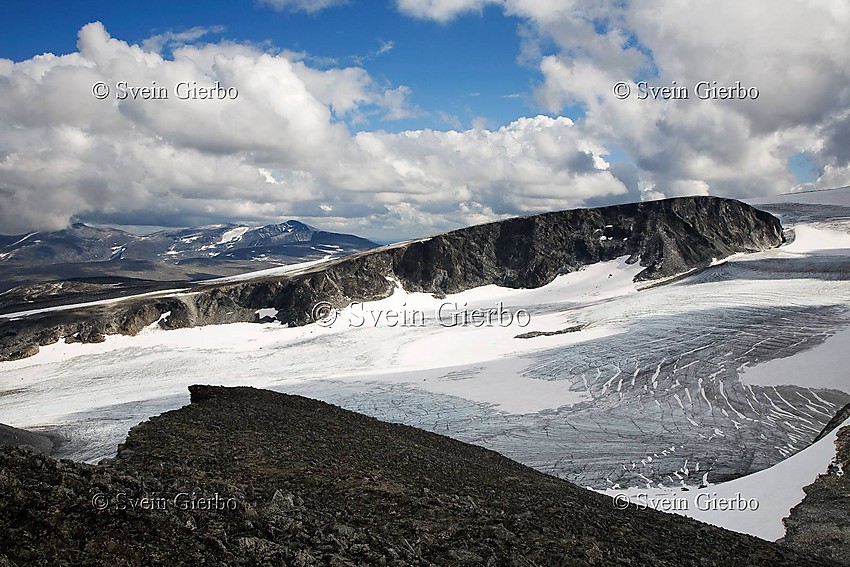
x=276 y=151
x=793 y=51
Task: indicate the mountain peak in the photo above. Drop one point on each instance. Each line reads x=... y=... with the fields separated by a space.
x=298 y=225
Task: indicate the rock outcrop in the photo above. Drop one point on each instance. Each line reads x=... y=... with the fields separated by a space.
x=667 y=237
x=250 y=477
x=839 y=418
x=14 y=437
x=821 y=522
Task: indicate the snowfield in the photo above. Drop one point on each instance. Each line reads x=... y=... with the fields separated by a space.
x=22 y=314
x=276 y=271
x=820 y=367
x=818 y=241
x=233 y=235
x=838 y=197
x=754 y=504
x=726 y=372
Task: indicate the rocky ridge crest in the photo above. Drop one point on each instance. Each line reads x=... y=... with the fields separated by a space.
x=667 y=237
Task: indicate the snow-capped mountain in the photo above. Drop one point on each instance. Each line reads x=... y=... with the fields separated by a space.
x=285 y=241
x=75 y=244
x=85 y=251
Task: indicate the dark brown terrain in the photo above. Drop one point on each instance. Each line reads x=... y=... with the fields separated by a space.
x=12 y=436
x=821 y=522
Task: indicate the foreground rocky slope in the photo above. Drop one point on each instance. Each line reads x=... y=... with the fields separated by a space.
x=821 y=522
x=667 y=238
x=245 y=476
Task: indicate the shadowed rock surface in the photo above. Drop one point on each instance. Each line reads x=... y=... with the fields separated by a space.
x=840 y=417
x=821 y=522
x=667 y=237
x=14 y=437
x=251 y=477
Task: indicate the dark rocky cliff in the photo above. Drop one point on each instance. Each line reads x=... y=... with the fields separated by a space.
x=251 y=477
x=667 y=237
x=821 y=522
x=839 y=418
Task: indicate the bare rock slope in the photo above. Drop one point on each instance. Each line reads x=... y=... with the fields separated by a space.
x=821 y=522
x=14 y=437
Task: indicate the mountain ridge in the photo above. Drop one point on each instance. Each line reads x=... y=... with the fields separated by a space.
x=667 y=237
x=83 y=249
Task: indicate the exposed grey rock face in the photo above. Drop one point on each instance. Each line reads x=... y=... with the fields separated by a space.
x=667 y=237
x=821 y=522
x=14 y=437
x=251 y=477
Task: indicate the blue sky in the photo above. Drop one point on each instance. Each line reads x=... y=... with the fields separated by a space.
x=465 y=69
x=402 y=118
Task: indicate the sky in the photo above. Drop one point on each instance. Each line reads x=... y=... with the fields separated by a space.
x=402 y=118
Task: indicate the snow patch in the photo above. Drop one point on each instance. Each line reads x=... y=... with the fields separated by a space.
x=22 y=239
x=824 y=366
x=267 y=312
x=839 y=196
x=277 y=271
x=233 y=235
x=20 y=314
x=818 y=241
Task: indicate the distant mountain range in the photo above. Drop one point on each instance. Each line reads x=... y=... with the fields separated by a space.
x=82 y=251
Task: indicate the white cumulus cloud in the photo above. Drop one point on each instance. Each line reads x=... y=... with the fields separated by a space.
x=279 y=150
x=793 y=51
x=309 y=6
